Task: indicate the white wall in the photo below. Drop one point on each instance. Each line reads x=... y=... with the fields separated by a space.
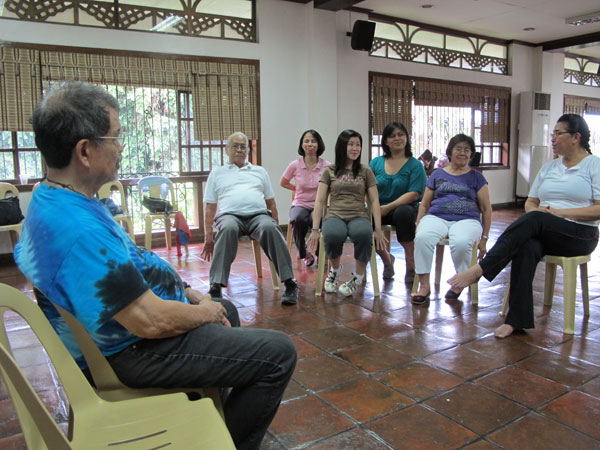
x=311 y=78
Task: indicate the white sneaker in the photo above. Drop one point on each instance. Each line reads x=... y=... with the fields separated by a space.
x=332 y=280
x=349 y=287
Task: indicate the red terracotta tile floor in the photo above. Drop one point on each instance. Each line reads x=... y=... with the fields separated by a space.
x=380 y=373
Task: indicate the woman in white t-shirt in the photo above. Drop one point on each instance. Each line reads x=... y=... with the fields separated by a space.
x=562 y=217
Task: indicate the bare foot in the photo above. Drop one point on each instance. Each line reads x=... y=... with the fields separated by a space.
x=465 y=278
x=503 y=331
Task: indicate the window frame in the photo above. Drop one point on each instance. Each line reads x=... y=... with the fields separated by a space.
x=503 y=149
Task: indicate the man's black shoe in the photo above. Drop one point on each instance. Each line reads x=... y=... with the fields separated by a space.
x=215 y=290
x=290 y=296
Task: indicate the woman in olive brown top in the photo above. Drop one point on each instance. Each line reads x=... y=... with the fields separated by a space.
x=347 y=182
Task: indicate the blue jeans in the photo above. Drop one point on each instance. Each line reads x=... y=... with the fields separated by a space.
x=256 y=364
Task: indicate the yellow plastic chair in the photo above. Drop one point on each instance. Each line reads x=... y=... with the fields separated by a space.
x=322 y=258
x=289 y=237
x=439 y=261
x=125 y=218
x=569 y=266
x=108 y=385
x=258 y=263
x=152 y=186
x=139 y=423
x=387 y=232
x=7 y=188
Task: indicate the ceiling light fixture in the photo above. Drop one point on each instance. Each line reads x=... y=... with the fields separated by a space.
x=585 y=19
x=529 y=29
x=426 y=6
x=170 y=21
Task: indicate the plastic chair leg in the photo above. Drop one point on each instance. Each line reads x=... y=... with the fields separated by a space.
x=148 y=234
x=549 y=281
x=257 y=258
x=474 y=288
x=320 y=267
x=505 y=300
x=388 y=236
x=570 y=288
x=439 y=262
x=168 y=232
x=585 y=291
x=274 y=276
x=289 y=237
x=374 y=270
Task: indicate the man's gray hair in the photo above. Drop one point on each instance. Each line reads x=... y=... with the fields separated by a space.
x=238 y=133
x=68 y=113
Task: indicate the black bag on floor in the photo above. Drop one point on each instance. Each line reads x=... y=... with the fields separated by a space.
x=157 y=205
x=10 y=211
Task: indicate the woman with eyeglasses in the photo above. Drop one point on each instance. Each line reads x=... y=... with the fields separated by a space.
x=400 y=183
x=562 y=217
x=456 y=204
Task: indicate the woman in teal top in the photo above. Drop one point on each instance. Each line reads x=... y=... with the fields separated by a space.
x=401 y=182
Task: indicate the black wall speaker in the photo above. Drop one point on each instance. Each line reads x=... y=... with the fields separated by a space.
x=362 y=35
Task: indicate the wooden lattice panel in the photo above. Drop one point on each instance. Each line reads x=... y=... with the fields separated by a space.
x=242 y=27
x=103 y=12
x=37 y=11
x=130 y=15
x=199 y=25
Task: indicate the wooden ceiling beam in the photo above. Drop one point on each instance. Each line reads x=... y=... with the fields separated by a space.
x=335 y=5
x=590 y=38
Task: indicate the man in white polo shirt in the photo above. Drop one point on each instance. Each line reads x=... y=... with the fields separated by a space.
x=239 y=200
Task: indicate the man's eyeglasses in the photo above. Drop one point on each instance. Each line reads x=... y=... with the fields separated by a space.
x=556 y=134
x=119 y=138
x=242 y=147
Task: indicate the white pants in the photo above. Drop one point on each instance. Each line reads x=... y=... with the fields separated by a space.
x=462 y=234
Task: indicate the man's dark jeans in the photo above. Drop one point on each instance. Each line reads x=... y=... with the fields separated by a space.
x=256 y=364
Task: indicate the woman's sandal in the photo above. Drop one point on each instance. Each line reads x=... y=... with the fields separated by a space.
x=420 y=299
x=451 y=295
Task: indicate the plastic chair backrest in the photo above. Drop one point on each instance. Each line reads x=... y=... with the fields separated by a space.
x=106 y=192
x=35 y=419
x=154 y=184
x=6 y=188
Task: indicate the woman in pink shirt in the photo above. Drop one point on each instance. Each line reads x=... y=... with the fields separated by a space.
x=306 y=171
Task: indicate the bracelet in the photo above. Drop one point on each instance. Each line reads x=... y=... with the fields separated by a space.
x=484 y=236
x=318 y=230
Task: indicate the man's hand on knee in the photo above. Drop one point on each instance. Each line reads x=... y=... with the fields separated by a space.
x=215 y=312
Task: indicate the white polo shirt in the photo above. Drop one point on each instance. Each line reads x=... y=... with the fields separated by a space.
x=236 y=190
x=562 y=188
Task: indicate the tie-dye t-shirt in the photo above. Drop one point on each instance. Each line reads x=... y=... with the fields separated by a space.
x=73 y=251
x=455 y=196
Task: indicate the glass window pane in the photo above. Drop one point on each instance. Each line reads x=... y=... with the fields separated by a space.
x=571 y=64
x=206 y=160
x=196 y=159
x=25 y=139
x=30 y=164
x=493 y=50
x=216 y=157
x=7 y=167
x=389 y=31
x=6 y=139
x=459 y=44
x=428 y=38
